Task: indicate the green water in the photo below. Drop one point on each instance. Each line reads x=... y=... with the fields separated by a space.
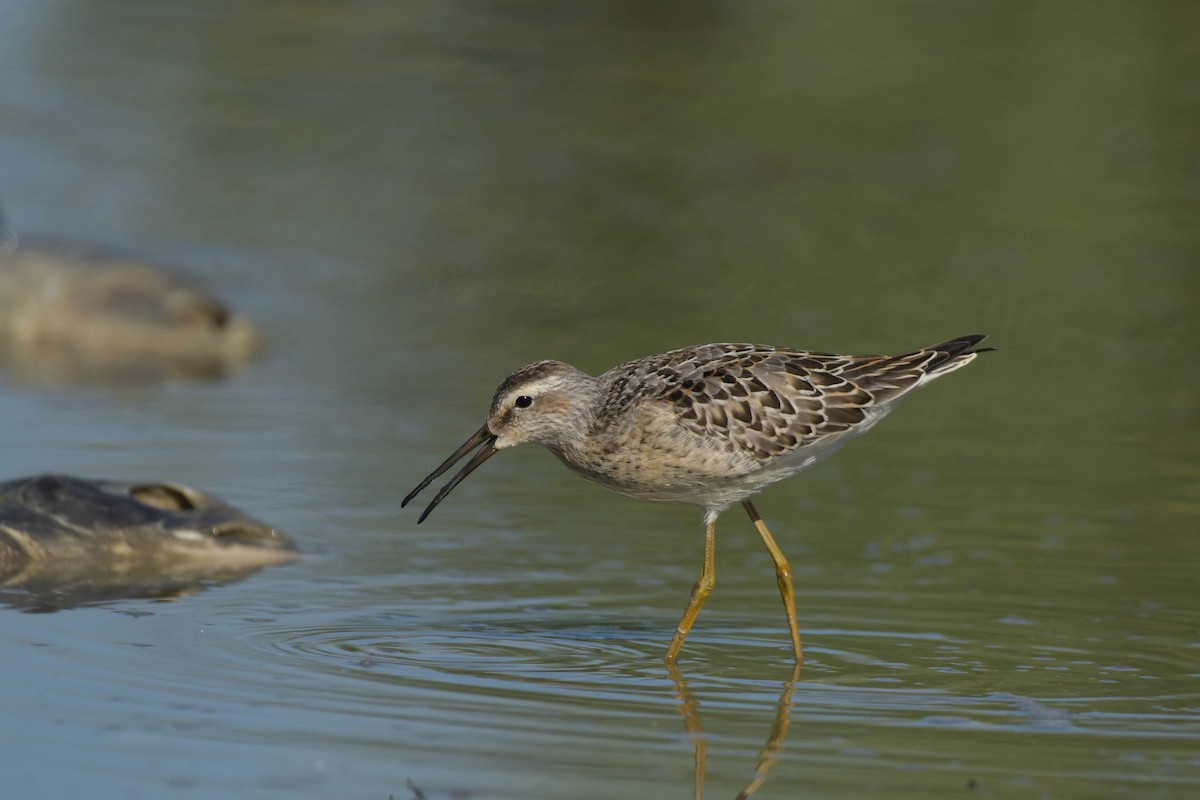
x=997 y=586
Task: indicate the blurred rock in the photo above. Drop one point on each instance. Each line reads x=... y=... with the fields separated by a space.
x=68 y=541
x=72 y=315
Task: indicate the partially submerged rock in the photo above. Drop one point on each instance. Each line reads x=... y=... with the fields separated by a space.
x=72 y=314
x=68 y=541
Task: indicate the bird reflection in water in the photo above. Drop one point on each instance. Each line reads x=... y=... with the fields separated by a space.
x=689 y=708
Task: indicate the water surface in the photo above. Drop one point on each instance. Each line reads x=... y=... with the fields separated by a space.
x=996 y=587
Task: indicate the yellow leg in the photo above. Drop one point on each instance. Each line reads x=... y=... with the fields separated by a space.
x=700 y=592
x=783 y=576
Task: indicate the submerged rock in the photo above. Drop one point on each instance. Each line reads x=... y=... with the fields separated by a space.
x=68 y=541
x=75 y=315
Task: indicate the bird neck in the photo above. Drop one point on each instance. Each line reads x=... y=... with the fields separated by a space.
x=576 y=421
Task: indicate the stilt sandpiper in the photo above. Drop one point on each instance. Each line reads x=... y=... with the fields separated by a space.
x=711 y=425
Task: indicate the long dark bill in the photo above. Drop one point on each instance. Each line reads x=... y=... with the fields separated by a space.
x=481 y=437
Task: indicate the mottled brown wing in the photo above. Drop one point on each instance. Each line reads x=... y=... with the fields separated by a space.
x=766 y=401
x=751 y=399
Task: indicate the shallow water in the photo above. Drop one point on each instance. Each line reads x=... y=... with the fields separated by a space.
x=996 y=586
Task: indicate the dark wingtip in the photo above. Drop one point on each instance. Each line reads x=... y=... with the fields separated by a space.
x=961 y=345
x=956 y=351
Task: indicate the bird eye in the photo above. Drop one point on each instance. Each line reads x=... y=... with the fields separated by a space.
x=524 y=401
